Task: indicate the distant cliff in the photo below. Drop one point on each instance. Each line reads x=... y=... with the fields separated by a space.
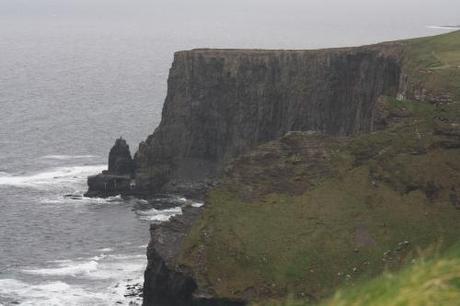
x=220 y=103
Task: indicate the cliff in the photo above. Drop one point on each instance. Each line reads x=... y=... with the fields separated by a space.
x=323 y=168
x=220 y=103
x=302 y=213
x=305 y=214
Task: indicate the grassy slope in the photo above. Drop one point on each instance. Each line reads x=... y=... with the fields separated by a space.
x=427 y=282
x=434 y=62
x=431 y=282
x=372 y=203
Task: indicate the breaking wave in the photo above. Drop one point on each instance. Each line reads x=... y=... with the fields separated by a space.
x=78 y=198
x=68 y=176
x=68 y=268
x=197 y=204
x=58 y=293
x=114 y=279
x=159 y=215
x=67 y=157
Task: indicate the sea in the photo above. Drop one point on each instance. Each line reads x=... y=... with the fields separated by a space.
x=77 y=74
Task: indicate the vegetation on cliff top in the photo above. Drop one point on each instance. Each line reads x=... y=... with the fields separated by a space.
x=307 y=214
x=430 y=280
x=435 y=63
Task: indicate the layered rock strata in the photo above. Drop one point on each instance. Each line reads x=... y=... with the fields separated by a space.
x=220 y=103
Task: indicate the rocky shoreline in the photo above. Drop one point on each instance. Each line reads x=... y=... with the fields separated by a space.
x=166 y=283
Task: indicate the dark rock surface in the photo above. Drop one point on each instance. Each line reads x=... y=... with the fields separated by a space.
x=120 y=160
x=165 y=283
x=220 y=103
x=450 y=132
x=119 y=178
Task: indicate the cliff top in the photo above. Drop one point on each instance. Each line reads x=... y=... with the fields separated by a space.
x=385 y=43
x=390 y=46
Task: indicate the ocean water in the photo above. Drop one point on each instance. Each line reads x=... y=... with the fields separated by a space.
x=76 y=74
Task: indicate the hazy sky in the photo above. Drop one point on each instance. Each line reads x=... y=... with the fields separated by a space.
x=271 y=18
x=401 y=8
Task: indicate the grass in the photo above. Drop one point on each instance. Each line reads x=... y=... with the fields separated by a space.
x=431 y=280
x=349 y=226
x=435 y=63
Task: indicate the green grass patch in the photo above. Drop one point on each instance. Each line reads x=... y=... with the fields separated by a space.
x=344 y=230
x=427 y=282
x=431 y=280
x=434 y=63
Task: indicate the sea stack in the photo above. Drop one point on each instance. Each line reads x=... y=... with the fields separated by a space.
x=120 y=160
x=119 y=178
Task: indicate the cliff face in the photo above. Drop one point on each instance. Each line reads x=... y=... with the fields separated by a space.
x=165 y=284
x=220 y=103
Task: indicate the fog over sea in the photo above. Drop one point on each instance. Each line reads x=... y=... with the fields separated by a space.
x=76 y=74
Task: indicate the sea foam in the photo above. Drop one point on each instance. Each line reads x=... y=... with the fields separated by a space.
x=59 y=176
x=67 y=157
x=99 y=280
x=78 y=198
x=66 y=269
x=48 y=294
x=159 y=215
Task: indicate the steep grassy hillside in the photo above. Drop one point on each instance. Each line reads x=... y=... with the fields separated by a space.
x=428 y=281
x=307 y=214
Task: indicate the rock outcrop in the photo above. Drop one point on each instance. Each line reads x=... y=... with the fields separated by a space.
x=120 y=160
x=162 y=284
x=119 y=178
